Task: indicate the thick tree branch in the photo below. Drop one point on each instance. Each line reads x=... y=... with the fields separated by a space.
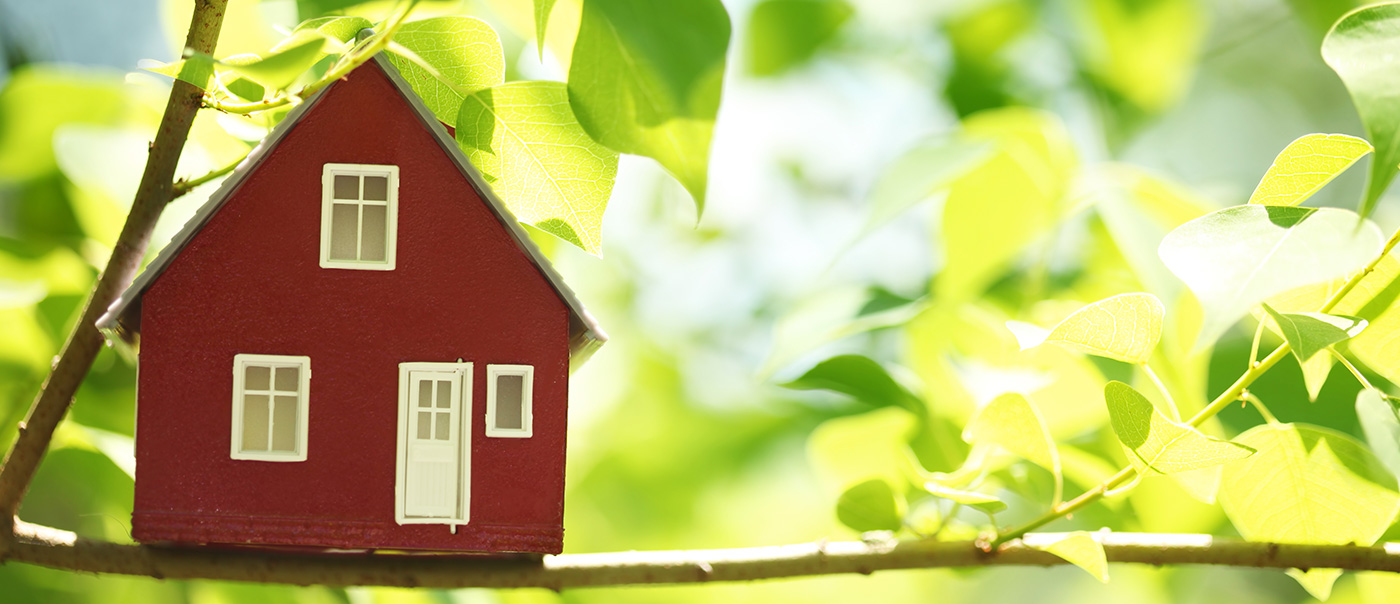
x=64 y=550
x=85 y=341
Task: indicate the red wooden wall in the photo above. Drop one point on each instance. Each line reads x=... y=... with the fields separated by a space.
x=250 y=282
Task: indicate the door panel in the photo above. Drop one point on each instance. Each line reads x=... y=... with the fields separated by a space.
x=434 y=448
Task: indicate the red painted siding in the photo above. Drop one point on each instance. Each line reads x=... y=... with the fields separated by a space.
x=250 y=282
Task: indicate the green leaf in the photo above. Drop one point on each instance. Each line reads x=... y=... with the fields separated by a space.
x=1013 y=423
x=37 y=99
x=645 y=79
x=542 y=10
x=291 y=58
x=464 y=52
x=1382 y=429
x=1310 y=332
x=1235 y=258
x=1306 y=165
x=1145 y=52
x=523 y=137
x=1157 y=445
x=1080 y=549
x=1360 y=48
x=1376 y=299
x=783 y=34
x=848 y=449
x=831 y=316
x=870 y=506
x=982 y=502
x=859 y=377
x=1125 y=327
x=1307 y=484
x=921 y=172
x=1317 y=582
x=195 y=69
x=344 y=29
x=1021 y=185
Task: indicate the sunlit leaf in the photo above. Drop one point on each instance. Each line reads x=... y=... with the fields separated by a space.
x=1143 y=51
x=542 y=10
x=1013 y=423
x=1310 y=332
x=1376 y=299
x=1306 y=165
x=195 y=69
x=870 y=506
x=343 y=29
x=981 y=502
x=849 y=449
x=859 y=377
x=783 y=34
x=1360 y=48
x=1080 y=549
x=1382 y=429
x=1307 y=484
x=646 y=77
x=36 y=100
x=1125 y=327
x=464 y=52
x=921 y=172
x=1157 y=445
x=551 y=175
x=279 y=68
x=1235 y=258
x=828 y=317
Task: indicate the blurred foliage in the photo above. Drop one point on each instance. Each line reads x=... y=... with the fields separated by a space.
x=885 y=184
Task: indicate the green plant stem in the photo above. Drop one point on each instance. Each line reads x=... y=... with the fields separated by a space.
x=185 y=186
x=1230 y=395
x=1162 y=387
x=340 y=69
x=1356 y=279
x=1355 y=372
x=61 y=549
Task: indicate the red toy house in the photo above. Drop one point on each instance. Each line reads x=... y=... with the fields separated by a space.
x=353 y=345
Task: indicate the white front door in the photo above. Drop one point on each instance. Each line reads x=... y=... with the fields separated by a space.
x=434 y=443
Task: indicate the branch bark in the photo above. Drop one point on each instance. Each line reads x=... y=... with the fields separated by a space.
x=63 y=550
x=85 y=342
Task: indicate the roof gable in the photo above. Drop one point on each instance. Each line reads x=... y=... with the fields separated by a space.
x=122 y=321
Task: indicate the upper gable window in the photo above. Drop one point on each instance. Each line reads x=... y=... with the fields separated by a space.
x=359 y=216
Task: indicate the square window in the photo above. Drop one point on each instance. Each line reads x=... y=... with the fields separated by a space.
x=270 y=399
x=359 y=216
x=509 y=401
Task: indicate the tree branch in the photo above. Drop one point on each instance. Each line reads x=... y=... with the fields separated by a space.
x=61 y=549
x=85 y=342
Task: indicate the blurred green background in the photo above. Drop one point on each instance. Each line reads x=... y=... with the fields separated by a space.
x=679 y=436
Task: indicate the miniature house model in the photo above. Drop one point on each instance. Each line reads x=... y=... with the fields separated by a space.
x=353 y=345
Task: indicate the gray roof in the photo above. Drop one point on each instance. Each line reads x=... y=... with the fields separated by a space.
x=122 y=322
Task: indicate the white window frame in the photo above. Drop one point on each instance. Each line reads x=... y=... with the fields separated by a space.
x=464 y=371
x=240 y=364
x=391 y=216
x=527 y=400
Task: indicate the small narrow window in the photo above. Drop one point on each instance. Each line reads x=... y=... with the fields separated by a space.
x=359 y=216
x=509 y=394
x=270 y=396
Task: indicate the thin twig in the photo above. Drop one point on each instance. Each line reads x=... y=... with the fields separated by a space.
x=61 y=549
x=84 y=343
x=184 y=186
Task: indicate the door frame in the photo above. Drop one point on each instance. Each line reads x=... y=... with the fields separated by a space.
x=464 y=373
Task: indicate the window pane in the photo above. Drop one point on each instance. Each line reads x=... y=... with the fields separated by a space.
x=444 y=426
x=287 y=378
x=255 y=377
x=376 y=188
x=509 y=410
x=444 y=394
x=284 y=423
x=425 y=425
x=347 y=186
x=425 y=393
x=255 y=422
x=344 y=223
x=374 y=233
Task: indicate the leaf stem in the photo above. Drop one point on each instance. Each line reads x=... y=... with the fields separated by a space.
x=1356 y=372
x=1254 y=348
x=1259 y=406
x=1171 y=403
